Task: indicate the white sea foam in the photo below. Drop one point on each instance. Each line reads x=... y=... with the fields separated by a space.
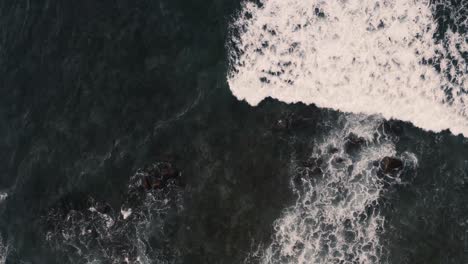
x=125 y=212
x=3 y=196
x=336 y=217
x=360 y=56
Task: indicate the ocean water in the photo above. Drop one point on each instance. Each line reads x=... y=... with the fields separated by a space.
x=390 y=59
x=271 y=122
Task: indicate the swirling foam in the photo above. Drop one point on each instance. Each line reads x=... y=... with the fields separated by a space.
x=359 y=56
x=336 y=217
x=98 y=234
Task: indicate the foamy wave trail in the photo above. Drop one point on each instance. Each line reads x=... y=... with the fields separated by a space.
x=387 y=57
x=336 y=217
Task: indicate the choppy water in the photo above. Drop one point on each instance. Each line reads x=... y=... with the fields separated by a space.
x=337 y=216
x=277 y=116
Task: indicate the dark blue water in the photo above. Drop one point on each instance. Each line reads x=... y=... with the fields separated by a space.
x=92 y=93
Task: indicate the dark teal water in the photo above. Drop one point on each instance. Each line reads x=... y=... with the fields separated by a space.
x=92 y=91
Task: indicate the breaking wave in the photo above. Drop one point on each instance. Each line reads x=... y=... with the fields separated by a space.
x=402 y=59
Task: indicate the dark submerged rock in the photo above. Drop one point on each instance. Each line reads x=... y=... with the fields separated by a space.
x=316 y=171
x=332 y=149
x=159 y=175
x=391 y=165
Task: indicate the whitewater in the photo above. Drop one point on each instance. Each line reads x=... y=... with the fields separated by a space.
x=387 y=57
x=336 y=217
x=372 y=60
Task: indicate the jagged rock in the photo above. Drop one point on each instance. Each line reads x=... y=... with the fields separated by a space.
x=391 y=164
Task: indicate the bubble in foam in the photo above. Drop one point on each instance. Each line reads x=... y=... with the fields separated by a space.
x=360 y=56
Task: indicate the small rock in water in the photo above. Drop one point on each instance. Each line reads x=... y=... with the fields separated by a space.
x=390 y=164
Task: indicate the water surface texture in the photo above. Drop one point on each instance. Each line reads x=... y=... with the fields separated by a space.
x=215 y=131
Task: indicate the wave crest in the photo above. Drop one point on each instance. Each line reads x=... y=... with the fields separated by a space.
x=373 y=57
